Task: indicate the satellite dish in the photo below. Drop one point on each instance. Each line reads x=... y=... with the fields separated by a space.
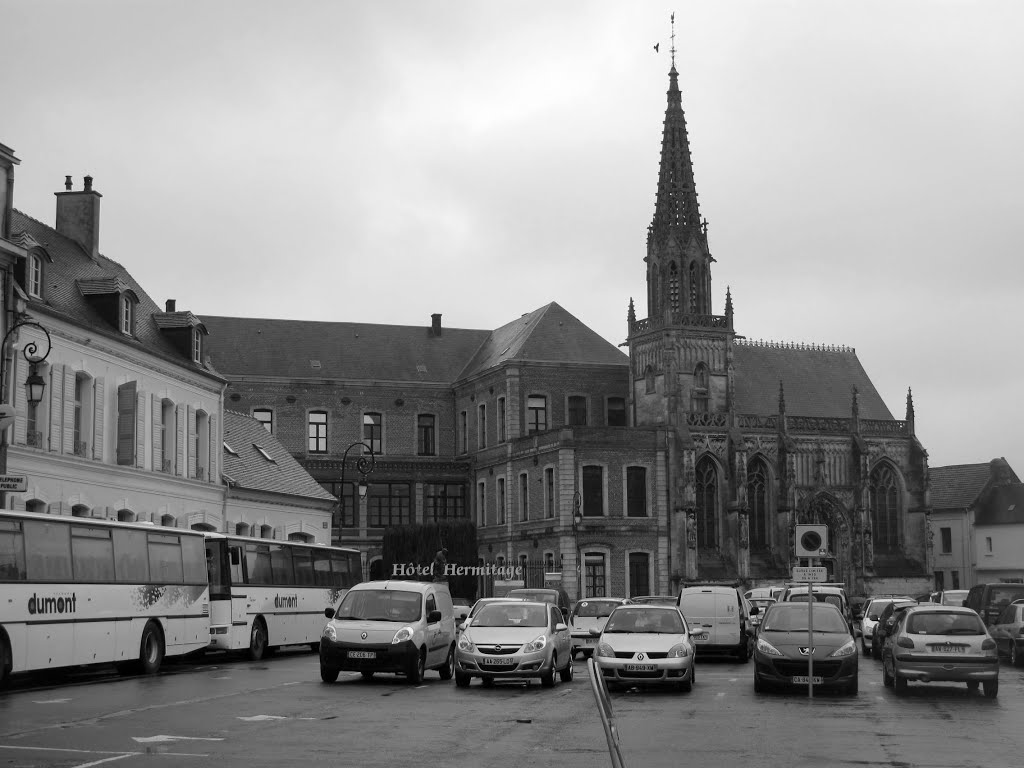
x=6 y=416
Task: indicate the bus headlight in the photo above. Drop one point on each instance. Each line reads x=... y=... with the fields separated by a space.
x=330 y=633
x=402 y=635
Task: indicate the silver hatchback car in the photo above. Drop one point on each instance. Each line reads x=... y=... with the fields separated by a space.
x=517 y=639
x=940 y=643
x=646 y=645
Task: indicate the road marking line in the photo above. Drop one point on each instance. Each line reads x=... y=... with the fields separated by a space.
x=151 y=739
x=52 y=701
x=257 y=718
x=107 y=760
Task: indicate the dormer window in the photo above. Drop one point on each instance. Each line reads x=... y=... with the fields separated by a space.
x=34 y=276
x=263 y=453
x=127 y=315
x=197 y=346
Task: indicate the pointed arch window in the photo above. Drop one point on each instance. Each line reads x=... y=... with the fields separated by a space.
x=699 y=398
x=883 y=490
x=757 y=500
x=707 y=504
x=694 y=280
x=673 y=288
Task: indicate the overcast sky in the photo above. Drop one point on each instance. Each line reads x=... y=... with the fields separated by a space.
x=859 y=164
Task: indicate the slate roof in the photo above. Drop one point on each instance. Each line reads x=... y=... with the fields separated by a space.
x=248 y=469
x=816 y=382
x=70 y=268
x=401 y=353
x=1004 y=505
x=548 y=334
x=959 y=485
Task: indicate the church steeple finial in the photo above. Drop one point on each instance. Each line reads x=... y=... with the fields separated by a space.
x=672 y=49
x=910 y=411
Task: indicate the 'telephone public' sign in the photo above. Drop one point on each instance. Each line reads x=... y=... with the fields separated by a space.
x=13 y=483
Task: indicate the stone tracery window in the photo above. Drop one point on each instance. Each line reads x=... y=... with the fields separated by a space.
x=883 y=490
x=707 y=504
x=757 y=500
x=673 y=288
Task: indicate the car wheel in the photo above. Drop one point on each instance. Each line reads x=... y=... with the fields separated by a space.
x=488 y=682
x=462 y=680
x=743 y=654
x=1015 y=658
x=449 y=665
x=567 y=673
x=851 y=689
x=328 y=673
x=991 y=688
x=972 y=685
x=417 y=667
x=548 y=678
x=887 y=679
x=899 y=683
x=685 y=686
x=866 y=648
x=759 y=687
x=876 y=651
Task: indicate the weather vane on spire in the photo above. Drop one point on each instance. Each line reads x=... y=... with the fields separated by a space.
x=672 y=50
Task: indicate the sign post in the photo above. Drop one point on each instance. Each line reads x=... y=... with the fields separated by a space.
x=811 y=575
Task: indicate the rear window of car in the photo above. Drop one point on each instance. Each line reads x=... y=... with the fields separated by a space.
x=835 y=600
x=954 y=598
x=700 y=604
x=591 y=609
x=543 y=597
x=944 y=623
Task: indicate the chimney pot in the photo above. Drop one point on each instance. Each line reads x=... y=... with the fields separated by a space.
x=435 y=324
x=171 y=305
x=88 y=183
x=67 y=183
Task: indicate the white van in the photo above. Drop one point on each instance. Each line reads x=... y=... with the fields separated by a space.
x=719 y=619
x=404 y=627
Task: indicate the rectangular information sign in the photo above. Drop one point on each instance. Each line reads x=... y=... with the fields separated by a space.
x=14 y=483
x=810 y=573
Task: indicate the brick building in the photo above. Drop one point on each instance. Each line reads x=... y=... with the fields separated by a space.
x=692 y=457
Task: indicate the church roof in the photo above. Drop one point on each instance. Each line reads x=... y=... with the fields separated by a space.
x=816 y=382
x=958 y=485
x=247 y=468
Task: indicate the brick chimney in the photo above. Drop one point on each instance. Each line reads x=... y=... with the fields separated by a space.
x=435 y=324
x=78 y=215
x=171 y=304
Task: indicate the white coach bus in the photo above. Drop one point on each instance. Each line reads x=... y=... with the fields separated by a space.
x=77 y=591
x=266 y=593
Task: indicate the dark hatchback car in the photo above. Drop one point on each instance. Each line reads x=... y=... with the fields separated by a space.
x=782 y=656
x=886 y=619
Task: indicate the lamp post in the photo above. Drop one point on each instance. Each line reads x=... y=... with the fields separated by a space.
x=34 y=386
x=577 y=523
x=365 y=465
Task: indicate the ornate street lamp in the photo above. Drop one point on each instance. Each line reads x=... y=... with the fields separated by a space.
x=577 y=523
x=365 y=464
x=34 y=387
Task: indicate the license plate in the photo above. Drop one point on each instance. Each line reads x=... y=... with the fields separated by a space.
x=639 y=667
x=701 y=638
x=590 y=641
x=499 y=661
x=797 y=679
x=362 y=654
x=954 y=649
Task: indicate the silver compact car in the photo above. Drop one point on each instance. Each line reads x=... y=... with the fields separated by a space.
x=940 y=643
x=590 y=613
x=514 y=640
x=646 y=645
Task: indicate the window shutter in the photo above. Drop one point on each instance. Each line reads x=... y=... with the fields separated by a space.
x=68 y=420
x=140 y=431
x=20 y=403
x=212 y=470
x=126 y=423
x=180 y=415
x=158 y=433
x=99 y=422
x=190 y=425
x=55 y=425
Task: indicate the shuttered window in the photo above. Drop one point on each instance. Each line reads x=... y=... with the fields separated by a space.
x=126 y=405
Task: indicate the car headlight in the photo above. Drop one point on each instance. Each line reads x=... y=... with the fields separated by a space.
x=603 y=649
x=330 y=633
x=846 y=649
x=680 y=651
x=465 y=643
x=402 y=635
x=765 y=647
x=538 y=643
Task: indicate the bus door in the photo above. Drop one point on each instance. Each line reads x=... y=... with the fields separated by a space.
x=239 y=596
x=220 y=593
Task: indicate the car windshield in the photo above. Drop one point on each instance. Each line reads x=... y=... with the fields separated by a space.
x=944 y=623
x=793 y=618
x=646 y=620
x=594 y=609
x=515 y=614
x=480 y=604
x=380 y=605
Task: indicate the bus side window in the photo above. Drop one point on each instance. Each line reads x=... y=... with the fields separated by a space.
x=235 y=556
x=48 y=551
x=12 y=552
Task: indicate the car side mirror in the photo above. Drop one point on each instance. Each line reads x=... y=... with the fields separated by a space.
x=595 y=632
x=329 y=613
x=461 y=626
x=754 y=610
x=433 y=617
x=560 y=627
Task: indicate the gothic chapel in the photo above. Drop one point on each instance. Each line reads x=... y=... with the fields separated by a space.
x=764 y=436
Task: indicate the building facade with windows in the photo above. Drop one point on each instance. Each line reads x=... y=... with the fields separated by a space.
x=691 y=458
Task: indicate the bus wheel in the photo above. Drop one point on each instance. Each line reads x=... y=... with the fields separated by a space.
x=257 y=640
x=5 y=659
x=151 y=649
